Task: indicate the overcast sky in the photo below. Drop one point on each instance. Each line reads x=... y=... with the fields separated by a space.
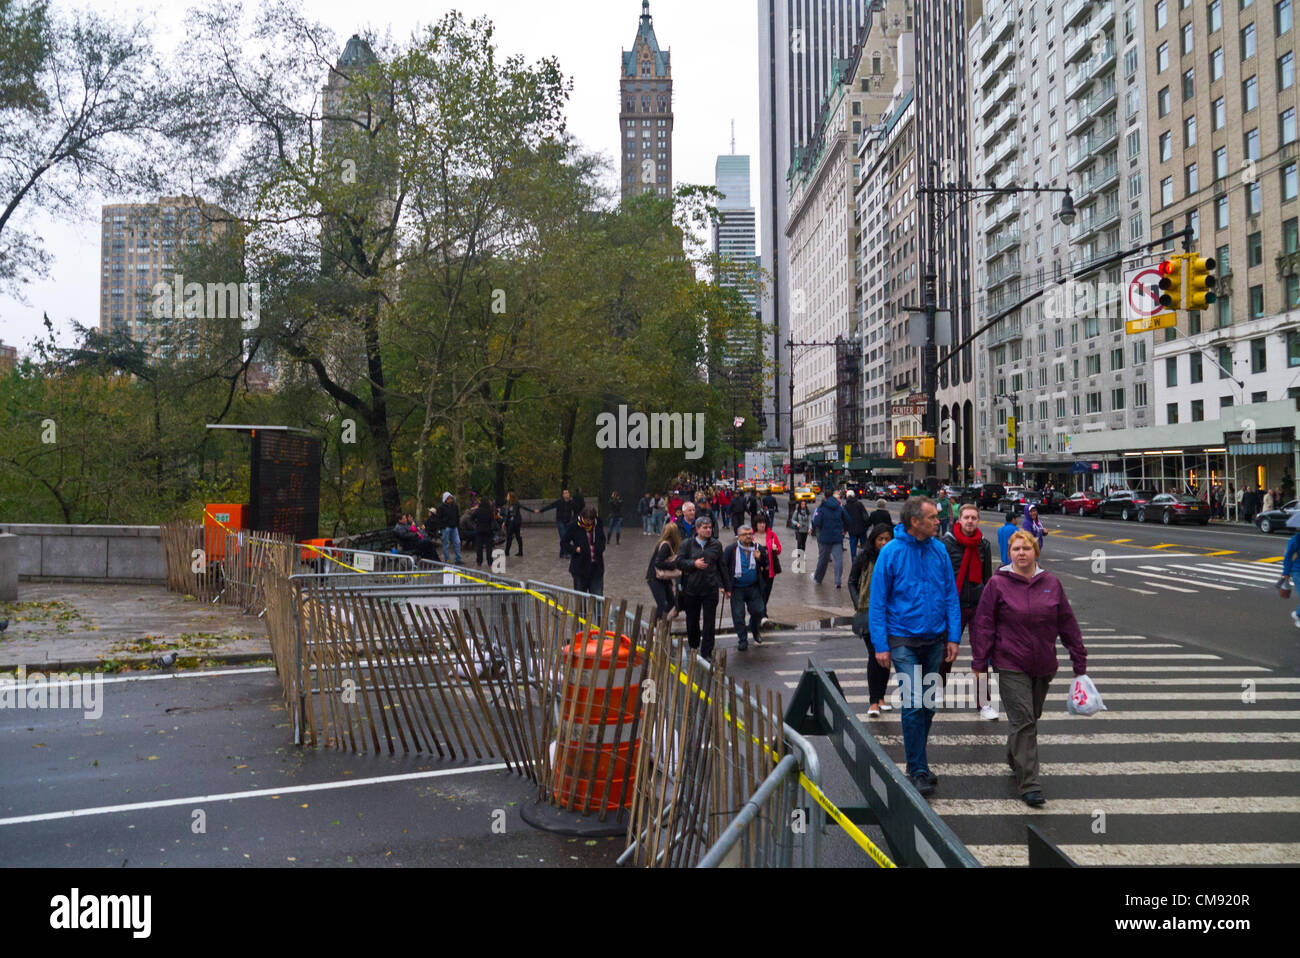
x=714 y=47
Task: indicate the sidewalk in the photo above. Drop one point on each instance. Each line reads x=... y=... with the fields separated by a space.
x=58 y=626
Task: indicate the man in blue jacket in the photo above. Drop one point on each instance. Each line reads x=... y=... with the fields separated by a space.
x=915 y=622
x=829 y=522
x=1004 y=537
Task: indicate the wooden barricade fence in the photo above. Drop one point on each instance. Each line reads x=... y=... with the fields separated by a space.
x=185 y=559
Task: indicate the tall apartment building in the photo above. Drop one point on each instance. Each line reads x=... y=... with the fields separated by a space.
x=823 y=236
x=646 y=116
x=733 y=234
x=1223 y=156
x=943 y=144
x=8 y=357
x=140 y=246
x=889 y=270
x=739 y=362
x=799 y=41
x=1056 y=98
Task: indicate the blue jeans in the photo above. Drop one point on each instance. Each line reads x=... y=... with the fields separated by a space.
x=853 y=547
x=918 y=671
x=659 y=519
x=450 y=538
x=561 y=528
x=647 y=523
x=747 y=597
x=615 y=529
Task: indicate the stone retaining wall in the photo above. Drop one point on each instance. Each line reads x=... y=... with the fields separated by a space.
x=127 y=554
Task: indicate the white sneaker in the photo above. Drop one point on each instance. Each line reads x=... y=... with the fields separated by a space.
x=989 y=713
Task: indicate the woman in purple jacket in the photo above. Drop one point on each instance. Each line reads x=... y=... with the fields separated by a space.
x=1022 y=612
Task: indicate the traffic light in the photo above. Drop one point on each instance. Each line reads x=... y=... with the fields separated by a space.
x=1200 y=281
x=1171 y=283
x=1011 y=433
x=914 y=448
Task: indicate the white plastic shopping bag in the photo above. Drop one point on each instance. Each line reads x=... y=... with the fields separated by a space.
x=1084 y=698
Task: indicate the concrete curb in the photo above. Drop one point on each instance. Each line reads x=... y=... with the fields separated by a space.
x=89 y=665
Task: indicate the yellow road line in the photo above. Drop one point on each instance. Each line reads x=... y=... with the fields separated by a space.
x=1119 y=542
x=1225 y=552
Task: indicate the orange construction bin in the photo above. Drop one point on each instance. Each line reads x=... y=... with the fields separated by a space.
x=594 y=754
x=307 y=555
x=218 y=520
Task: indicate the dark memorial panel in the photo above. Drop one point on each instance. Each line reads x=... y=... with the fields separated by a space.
x=285 y=484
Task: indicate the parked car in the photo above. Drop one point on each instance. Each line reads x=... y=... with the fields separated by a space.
x=1013 y=500
x=988 y=494
x=1275 y=520
x=1125 y=503
x=1170 y=508
x=1081 y=504
x=1048 y=501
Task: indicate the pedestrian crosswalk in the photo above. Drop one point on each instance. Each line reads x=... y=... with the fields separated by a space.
x=1184 y=575
x=1195 y=762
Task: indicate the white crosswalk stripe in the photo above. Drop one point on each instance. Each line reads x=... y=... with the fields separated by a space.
x=1187 y=733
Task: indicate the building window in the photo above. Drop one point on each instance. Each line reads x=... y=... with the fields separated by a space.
x=1139 y=395
x=1191 y=182
x=1189 y=131
x=1251 y=141
x=1254 y=199
x=1197 y=371
x=1162 y=103
x=1171 y=412
x=1166 y=191
x=1166 y=146
x=1220 y=162
x=1256 y=302
x=1134 y=144
x=1259 y=397
x=1094 y=365
x=1286 y=126
x=1189 y=84
x=1292 y=349
x=1171 y=371
x=1217 y=115
x=1117 y=358
x=1216 y=65
x=1224 y=311
x=1162 y=57
x=1139 y=354
x=1216 y=15
x=1288 y=182
x=1198 y=410
x=1188 y=39
x=1162 y=14
x=1094 y=402
x=1258 y=356
x=1286 y=70
x=1249 y=94
x=1282 y=17
x=1290 y=291
x=1225 y=362
x=1248 y=42
x=1221 y=213
x=1254 y=249
x=1291 y=235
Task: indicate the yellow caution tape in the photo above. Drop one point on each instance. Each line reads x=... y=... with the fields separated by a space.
x=809 y=786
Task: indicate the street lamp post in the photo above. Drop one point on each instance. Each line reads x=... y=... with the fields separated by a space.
x=930 y=305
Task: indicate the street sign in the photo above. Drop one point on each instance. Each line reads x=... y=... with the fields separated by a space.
x=1142 y=309
x=906 y=409
x=1020 y=463
x=786 y=468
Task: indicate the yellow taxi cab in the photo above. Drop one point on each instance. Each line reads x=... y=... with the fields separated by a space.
x=804 y=494
x=764 y=488
x=778 y=488
x=816 y=488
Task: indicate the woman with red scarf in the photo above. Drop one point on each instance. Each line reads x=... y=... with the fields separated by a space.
x=972 y=564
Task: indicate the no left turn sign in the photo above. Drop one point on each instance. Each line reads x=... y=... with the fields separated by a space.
x=1142 y=308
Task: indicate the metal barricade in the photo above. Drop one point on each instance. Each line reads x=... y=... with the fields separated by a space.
x=336 y=560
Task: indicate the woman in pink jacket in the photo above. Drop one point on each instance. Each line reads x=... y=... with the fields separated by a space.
x=1022 y=612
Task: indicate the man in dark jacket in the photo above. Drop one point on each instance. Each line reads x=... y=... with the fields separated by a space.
x=739 y=506
x=585 y=541
x=972 y=564
x=485 y=521
x=880 y=516
x=700 y=558
x=743 y=568
x=565 y=512
x=449 y=515
x=829 y=522
x=858 y=526
x=770 y=507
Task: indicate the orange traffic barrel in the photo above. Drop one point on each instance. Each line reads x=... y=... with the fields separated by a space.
x=310 y=553
x=594 y=753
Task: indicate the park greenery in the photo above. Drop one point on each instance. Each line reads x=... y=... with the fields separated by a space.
x=448 y=296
